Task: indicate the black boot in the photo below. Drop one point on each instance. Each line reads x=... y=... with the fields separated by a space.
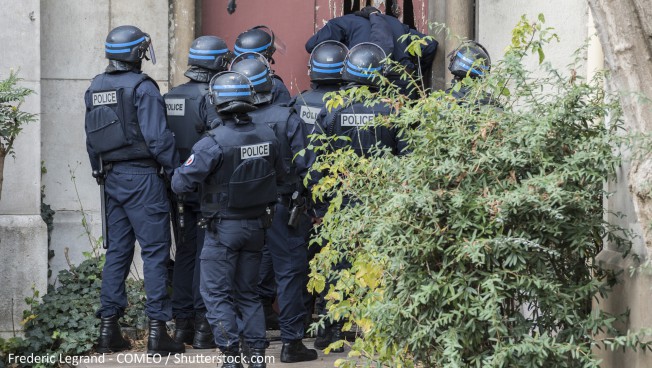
x=159 y=342
x=257 y=358
x=184 y=330
x=271 y=318
x=337 y=336
x=294 y=351
x=323 y=337
x=203 y=333
x=111 y=340
x=231 y=356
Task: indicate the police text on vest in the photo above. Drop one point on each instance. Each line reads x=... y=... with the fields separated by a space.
x=105 y=98
x=176 y=106
x=256 y=150
x=309 y=114
x=356 y=119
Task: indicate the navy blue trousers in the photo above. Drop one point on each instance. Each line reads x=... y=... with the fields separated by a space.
x=229 y=275
x=137 y=209
x=266 y=281
x=186 y=298
x=288 y=249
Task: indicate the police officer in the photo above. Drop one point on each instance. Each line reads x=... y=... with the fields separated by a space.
x=325 y=70
x=261 y=39
x=127 y=139
x=286 y=240
x=355 y=120
x=189 y=115
x=369 y=25
x=469 y=60
x=237 y=165
x=267 y=282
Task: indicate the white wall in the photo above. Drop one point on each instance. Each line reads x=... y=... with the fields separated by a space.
x=497 y=18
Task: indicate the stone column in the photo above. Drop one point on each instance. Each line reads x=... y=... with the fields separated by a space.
x=182 y=33
x=23 y=234
x=633 y=292
x=459 y=17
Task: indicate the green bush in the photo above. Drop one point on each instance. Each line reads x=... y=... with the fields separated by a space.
x=477 y=249
x=12 y=118
x=64 y=321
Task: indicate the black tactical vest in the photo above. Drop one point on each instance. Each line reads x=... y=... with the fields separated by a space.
x=356 y=121
x=245 y=184
x=112 y=122
x=308 y=104
x=183 y=104
x=276 y=117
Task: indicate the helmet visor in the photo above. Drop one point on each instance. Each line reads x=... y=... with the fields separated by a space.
x=150 y=49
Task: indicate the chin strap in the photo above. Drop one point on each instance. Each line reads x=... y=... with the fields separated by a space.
x=122 y=66
x=199 y=74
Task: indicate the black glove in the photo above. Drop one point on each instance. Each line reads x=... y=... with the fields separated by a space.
x=367 y=11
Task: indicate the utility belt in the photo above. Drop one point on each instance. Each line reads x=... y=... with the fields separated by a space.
x=142 y=166
x=149 y=162
x=209 y=223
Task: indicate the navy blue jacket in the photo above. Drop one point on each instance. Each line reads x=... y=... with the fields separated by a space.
x=280 y=93
x=351 y=30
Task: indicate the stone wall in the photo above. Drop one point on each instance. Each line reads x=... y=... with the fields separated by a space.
x=23 y=235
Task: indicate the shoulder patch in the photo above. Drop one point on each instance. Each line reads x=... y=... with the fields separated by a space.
x=190 y=160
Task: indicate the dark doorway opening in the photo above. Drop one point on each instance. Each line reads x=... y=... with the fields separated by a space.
x=351 y=6
x=392 y=7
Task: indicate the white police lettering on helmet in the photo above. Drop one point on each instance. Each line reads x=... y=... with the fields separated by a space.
x=105 y=98
x=356 y=119
x=256 y=150
x=309 y=114
x=176 y=106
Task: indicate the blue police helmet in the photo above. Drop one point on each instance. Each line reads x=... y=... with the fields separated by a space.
x=256 y=68
x=128 y=43
x=326 y=62
x=362 y=63
x=231 y=92
x=258 y=39
x=210 y=52
x=470 y=58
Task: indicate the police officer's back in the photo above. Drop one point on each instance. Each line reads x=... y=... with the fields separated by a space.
x=325 y=70
x=356 y=120
x=261 y=40
x=127 y=142
x=189 y=115
x=369 y=25
x=237 y=165
x=286 y=243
